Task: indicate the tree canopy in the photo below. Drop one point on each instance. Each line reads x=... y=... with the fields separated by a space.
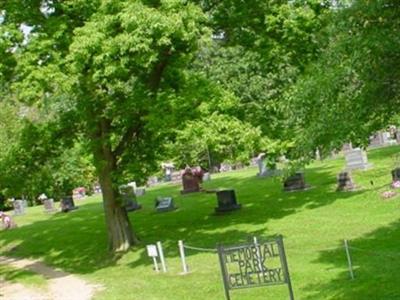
x=352 y=90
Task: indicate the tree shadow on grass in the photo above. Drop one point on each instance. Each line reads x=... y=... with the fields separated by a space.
x=262 y=200
x=376 y=259
x=77 y=243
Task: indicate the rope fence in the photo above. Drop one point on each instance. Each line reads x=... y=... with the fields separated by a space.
x=349 y=252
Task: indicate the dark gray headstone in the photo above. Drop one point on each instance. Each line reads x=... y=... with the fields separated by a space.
x=295 y=182
x=164 y=204
x=226 y=201
x=67 y=204
x=396 y=174
x=345 y=182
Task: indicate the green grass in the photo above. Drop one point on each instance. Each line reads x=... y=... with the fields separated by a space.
x=314 y=224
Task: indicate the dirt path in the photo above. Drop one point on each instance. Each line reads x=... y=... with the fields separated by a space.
x=61 y=285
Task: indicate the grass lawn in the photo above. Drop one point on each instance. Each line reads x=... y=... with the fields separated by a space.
x=314 y=224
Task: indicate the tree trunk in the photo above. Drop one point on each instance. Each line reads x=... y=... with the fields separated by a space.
x=119 y=229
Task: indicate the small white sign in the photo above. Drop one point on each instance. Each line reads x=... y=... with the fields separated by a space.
x=152 y=250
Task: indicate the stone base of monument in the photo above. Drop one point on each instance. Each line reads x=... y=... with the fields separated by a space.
x=67 y=204
x=164 y=204
x=295 y=182
x=190 y=191
x=345 y=182
x=226 y=201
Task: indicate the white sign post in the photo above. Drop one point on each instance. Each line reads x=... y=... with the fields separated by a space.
x=183 y=259
x=152 y=252
x=161 y=252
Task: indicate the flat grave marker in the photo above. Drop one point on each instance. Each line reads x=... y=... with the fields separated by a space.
x=164 y=204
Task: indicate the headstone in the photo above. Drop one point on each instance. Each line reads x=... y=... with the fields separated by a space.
x=261 y=166
x=396 y=175
x=19 y=207
x=176 y=176
x=397 y=136
x=133 y=185
x=67 y=204
x=382 y=138
x=140 y=191
x=356 y=159
x=49 y=205
x=25 y=202
x=164 y=204
x=345 y=182
x=225 y=167
x=129 y=197
x=226 y=201
x=6 y=221
x=153 y=180
x=97 y=189
x=190 y=182
x=168 y=169
x=79 y=193
x=295 y=182
x=347 y=147
x=206 y=176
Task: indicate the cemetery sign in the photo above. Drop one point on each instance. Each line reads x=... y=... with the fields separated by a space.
x=253 y=265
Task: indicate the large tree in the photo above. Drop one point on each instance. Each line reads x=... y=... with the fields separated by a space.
x=113 y=80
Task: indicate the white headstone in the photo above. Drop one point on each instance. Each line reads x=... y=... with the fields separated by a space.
x=19 y=207
x=356 y=159
x=206 y=176
x=49 y=205
x=140 y=191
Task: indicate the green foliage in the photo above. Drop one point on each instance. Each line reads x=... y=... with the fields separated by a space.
x=36 y=164
x=353 y=89
x=216 y=139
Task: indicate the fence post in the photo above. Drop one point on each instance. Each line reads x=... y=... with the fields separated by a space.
x=182 y=254
x=346 y=246
x=160 y=251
